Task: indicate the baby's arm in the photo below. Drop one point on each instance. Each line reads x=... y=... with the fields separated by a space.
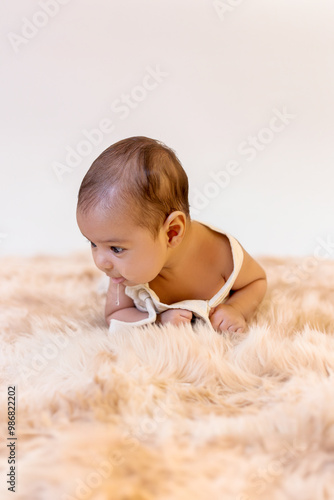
x=125 y=310
x=247 y=293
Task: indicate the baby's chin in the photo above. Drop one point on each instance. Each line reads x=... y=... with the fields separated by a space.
x=129 y=282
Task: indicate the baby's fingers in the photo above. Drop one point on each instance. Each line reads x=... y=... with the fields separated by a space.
x=216 y=321
x=175 y=316
x=230 y=327
x=184 y=313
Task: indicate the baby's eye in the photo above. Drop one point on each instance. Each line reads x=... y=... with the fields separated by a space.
x=116 y=249
x=91 y=243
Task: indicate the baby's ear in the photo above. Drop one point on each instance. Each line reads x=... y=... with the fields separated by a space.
x=175 y=228
x=172 y=234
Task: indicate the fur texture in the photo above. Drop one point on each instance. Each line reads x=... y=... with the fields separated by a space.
x=168 y=412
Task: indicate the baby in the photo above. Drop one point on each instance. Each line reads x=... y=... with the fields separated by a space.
x=163 y=267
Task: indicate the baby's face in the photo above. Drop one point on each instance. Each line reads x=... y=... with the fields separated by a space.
x=125 y=252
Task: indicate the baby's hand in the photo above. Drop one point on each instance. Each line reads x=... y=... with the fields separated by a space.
x=225 y=317
x=174 y=316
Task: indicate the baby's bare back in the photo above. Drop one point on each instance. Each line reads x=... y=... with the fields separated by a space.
x=203 y=268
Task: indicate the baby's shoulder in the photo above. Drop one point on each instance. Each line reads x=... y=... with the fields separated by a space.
x=217 y=247
x=212 y=235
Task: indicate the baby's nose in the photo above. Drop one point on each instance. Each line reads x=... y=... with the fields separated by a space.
x=103 y=261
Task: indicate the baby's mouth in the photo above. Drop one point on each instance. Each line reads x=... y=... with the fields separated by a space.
x=117 y=280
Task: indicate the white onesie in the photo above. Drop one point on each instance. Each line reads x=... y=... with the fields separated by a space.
x=146 y=300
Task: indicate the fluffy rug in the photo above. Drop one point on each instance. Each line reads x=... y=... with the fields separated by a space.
x=163 y=413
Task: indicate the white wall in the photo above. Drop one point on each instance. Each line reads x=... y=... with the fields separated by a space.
x=223 y=79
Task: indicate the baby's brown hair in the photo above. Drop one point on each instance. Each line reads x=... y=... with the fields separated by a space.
x=140 y=173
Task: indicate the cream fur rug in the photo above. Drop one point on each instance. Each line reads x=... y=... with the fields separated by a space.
x=166 y=413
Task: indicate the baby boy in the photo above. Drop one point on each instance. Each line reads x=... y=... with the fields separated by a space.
x=163 y=266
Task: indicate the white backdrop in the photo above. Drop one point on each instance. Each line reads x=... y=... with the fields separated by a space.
x=241 y=90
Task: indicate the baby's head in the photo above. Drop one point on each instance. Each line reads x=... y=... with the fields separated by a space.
x=133 y=208
x=139 y=177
